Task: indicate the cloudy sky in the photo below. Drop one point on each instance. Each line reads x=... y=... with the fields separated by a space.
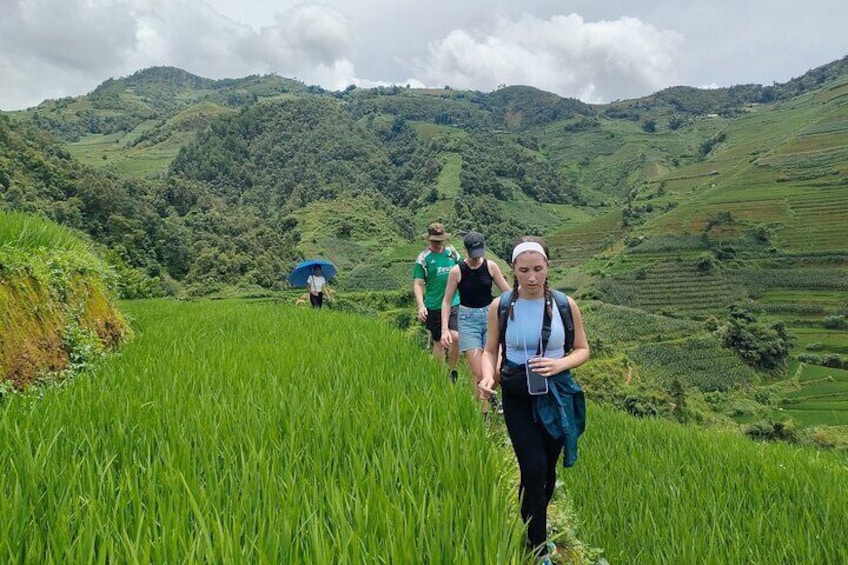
x=594 y=50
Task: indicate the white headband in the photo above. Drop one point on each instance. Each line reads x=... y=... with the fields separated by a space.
x=528 y=246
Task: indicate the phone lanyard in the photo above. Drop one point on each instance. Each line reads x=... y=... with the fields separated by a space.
x=544 y=334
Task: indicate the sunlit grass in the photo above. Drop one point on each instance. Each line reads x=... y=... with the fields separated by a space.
x=26 y=232
x=236 y=432
x=649 y=492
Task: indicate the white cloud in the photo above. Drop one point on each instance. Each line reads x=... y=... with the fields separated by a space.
x=593 y=61
x=86 y=35
x=54 y=48
x=613 y=49
x=311 y=41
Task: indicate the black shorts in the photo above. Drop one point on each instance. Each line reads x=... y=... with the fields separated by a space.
x=434 y=321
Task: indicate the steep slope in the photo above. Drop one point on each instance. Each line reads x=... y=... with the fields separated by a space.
x=57 y=309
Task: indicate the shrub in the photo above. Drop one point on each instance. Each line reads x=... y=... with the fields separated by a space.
x=773 y=431
x=705 y=263
x=835 y=322
x=761 y=346
x=647 y=404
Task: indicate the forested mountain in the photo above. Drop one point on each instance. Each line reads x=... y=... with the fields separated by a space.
x=228 y=182
x=690 y=222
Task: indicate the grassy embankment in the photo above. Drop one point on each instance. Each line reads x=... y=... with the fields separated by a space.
x=56 y=308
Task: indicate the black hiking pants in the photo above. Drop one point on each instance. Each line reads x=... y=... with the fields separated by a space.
x=537 y=453
x=317 y=300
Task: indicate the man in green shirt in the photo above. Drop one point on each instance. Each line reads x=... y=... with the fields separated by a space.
x=430 y=277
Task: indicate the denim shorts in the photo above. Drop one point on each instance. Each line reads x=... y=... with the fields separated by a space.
x=472 y=327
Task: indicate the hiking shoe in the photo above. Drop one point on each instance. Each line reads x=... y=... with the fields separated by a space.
x=495 y=404
x=453 y=375
x=545 y=559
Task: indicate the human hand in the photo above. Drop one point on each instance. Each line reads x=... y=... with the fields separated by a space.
x=486 y=387
x=422 y=314
x=545 y=366
x=447 y=338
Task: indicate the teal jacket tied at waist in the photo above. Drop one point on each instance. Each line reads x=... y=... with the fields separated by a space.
x=563 y=413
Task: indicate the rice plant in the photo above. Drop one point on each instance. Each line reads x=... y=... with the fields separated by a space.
x=239 y=432
x=27 y=232
x=652 y=492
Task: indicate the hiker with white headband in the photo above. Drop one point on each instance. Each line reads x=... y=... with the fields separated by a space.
x=541 y=337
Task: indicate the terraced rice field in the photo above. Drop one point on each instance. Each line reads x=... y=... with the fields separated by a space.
x=672 y=286
x=822 y=398
x=572 y=246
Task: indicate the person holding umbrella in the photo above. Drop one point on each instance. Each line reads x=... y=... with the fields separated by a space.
x=430 y=276
x=315 y=283
x=313 y=274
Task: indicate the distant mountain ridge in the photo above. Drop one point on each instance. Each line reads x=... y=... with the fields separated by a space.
x=677 y=218
x=262 y=148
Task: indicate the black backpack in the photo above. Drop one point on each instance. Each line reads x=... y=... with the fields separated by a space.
x=564 y=307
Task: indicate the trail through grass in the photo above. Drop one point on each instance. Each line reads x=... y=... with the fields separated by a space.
x=239 y=431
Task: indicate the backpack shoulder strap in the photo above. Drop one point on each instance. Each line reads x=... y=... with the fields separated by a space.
x=503 y=308
x=564 y=307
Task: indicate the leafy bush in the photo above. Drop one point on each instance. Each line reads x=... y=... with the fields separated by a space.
x=773 y=431
x=832 y=360
x=835 y=322
x=761 y=346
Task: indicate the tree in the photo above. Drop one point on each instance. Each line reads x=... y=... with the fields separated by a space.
x=675 y=123
x=761 y=346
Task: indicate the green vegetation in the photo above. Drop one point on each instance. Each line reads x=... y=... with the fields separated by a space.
x=649 y=492
x=251 y=431
x=679 y=204
x=57 y=314
x=27 y=234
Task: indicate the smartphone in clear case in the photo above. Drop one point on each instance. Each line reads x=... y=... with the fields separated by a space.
x=536 y=383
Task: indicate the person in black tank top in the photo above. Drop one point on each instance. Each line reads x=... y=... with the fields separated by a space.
x=473 y=277
x=475 y=285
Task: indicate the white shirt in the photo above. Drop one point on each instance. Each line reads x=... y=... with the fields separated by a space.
x=316 y=284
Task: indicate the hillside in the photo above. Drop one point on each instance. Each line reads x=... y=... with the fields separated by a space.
x=57 y=307
x=680 y=204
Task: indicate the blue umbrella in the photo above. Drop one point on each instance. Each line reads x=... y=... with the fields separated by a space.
x=300 y=273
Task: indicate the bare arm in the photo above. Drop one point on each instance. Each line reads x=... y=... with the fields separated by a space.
x=418 y=292
x=579 y=355
x=498 y=277
x=490 y=352
x=450 y=289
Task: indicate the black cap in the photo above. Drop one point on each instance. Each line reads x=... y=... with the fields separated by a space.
x=475 y=245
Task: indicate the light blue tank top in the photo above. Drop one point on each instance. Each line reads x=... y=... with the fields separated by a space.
x=524 y=331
